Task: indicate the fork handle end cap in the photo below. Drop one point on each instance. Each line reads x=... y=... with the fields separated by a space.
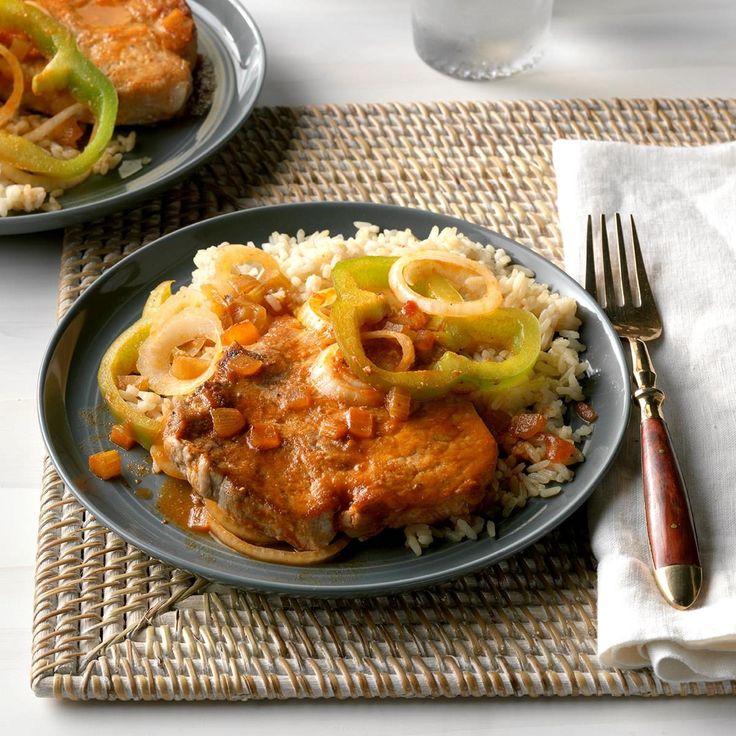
x=680 y=584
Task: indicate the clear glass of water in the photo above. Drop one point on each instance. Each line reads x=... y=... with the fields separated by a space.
x=481 y=39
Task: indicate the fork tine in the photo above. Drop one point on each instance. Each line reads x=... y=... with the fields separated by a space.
x=608 y=293
x=645 y=290
x=590 y=286
x=623 y=277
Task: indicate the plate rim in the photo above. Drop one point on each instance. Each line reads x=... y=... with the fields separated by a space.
x=33 y=222
x=336 y=588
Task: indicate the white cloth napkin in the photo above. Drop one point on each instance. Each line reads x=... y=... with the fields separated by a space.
x=684 y=202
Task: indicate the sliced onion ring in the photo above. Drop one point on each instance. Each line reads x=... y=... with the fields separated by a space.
x=11 y=105
x=312 y=315
x=246 y=532
x=155 y=354
x=272 y=554
x=405 y=343
x=335 y=380
x=185 y=298
x=232 y=256
x=397 y=279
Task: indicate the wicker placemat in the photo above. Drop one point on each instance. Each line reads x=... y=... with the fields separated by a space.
x=110 y=623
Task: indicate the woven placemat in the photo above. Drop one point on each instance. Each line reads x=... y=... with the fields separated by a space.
x=111 y=623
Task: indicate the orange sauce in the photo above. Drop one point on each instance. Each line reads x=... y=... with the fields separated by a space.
x=143 y=493
x=176 y=500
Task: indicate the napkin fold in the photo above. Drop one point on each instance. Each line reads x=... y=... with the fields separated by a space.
x=684 y=202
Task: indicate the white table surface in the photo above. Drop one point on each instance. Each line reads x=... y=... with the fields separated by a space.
x=350 y=51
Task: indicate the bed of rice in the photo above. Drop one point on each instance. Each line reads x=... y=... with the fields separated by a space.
x=307 y=261
x=24 y=197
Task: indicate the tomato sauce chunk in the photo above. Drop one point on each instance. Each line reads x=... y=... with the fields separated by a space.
x=525 y=426
x=558 y=450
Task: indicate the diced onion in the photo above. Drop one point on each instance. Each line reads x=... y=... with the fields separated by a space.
x=12 y=104
x=401 y=273
x=272 y=554
x=405 y=343
x=398 y=403
x=155 y=354
x=332 y=378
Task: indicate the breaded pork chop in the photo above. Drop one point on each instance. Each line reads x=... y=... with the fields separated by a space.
x=435 y=465
x=146 y=47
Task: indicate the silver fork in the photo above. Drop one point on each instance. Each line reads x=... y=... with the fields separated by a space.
x=672 y=539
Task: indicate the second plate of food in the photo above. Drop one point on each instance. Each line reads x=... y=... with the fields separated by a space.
x=387 y=470
x=227 y=84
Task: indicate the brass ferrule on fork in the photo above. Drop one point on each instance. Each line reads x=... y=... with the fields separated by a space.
x=647 y=394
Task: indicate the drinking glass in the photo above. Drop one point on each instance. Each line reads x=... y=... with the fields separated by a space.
x=481 y=39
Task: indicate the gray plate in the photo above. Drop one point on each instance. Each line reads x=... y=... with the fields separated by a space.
x=74 y=425
x=229 y=38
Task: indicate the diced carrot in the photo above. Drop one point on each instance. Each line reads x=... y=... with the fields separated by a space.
x=198 y=520
x=226 y=421
x=244 y=333
x=525 y=426
x=586 y=412
x=122 y=435
x=106 y=464
x=298 y=401
x=244 y=365
x=185 y=367
x=264 y=436
x=334 y=427
x=360 y=422
x=497 y=420
x=558 y=450
x=398 y=403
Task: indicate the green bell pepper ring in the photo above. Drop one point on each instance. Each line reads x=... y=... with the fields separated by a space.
x=356 y=281
x=156 y=298
x=514 y=329
x=120 y=360
x=68 y=68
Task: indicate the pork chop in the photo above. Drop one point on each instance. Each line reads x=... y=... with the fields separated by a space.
x=435 y=465
x=147 y=48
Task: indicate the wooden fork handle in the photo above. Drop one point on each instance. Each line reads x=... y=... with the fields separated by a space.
x=672 y=539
